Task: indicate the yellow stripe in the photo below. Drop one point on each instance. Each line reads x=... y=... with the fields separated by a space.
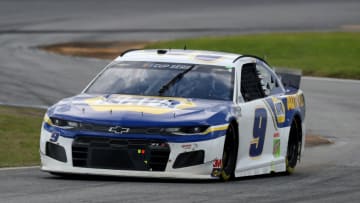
x=216 y=128
x=209 y=130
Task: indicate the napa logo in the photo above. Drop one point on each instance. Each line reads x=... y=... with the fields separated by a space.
x=144 y=104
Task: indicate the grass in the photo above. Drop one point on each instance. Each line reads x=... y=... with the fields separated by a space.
x=317 y=54
x=19 y=136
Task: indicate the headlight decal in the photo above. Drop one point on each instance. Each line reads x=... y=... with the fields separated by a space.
x=217 y=128
x=201 y=130
x=61 y=123
x=47 y=119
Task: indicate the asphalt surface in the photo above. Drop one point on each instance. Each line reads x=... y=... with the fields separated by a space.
x=32 y=77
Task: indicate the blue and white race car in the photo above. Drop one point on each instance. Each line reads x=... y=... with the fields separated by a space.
x=178 y=114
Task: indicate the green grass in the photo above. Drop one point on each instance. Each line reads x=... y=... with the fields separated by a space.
x=19 y=136
x=317 y=54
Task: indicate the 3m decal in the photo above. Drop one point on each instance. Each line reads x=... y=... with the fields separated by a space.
x=259 y=131
x=217 y=165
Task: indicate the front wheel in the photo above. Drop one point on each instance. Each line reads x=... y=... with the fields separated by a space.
x=229 y=154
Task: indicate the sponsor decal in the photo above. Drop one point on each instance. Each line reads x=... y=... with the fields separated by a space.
x=276 y=145
x=295 y=101
x=217 y=165
x=279 y=110
x=186 y=146
x=167 y=66
x=54 y=136
x=189 y=146
x=152 y=105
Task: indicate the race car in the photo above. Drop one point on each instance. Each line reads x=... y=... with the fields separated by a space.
x=178 y=114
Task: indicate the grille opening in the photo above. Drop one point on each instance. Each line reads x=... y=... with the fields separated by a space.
x=120 y=154
x=189 y=159
x=55 y=151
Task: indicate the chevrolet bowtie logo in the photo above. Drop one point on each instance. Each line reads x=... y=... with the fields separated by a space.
x=118 y=130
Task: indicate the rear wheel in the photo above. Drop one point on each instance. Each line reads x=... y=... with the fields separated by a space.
x=293 y=147
x=229 y=154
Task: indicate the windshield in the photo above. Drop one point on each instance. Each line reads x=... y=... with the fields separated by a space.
x=162 y=79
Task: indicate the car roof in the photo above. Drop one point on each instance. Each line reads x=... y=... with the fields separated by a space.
x=180 y=56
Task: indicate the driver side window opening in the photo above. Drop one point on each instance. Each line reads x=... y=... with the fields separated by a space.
x=251 y=87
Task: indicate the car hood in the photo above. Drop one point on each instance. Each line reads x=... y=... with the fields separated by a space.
x=130 y=110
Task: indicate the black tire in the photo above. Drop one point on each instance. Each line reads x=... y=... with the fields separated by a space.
x=230 y=154
x=293 y=147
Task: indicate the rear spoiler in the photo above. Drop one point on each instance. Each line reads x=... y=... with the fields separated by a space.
x=289 y=77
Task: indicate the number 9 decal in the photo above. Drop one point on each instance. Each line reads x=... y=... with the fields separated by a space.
x=259 y=131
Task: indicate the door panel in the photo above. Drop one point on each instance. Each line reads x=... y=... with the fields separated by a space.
x=256 y=135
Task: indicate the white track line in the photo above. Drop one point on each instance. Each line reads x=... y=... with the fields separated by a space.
x=19 y=168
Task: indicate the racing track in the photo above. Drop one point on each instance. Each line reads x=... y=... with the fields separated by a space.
x=32 y=77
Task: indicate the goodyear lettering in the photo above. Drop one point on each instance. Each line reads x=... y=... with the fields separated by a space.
x=295 y=101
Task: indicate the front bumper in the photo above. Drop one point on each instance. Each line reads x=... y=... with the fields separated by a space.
x=212 y=152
